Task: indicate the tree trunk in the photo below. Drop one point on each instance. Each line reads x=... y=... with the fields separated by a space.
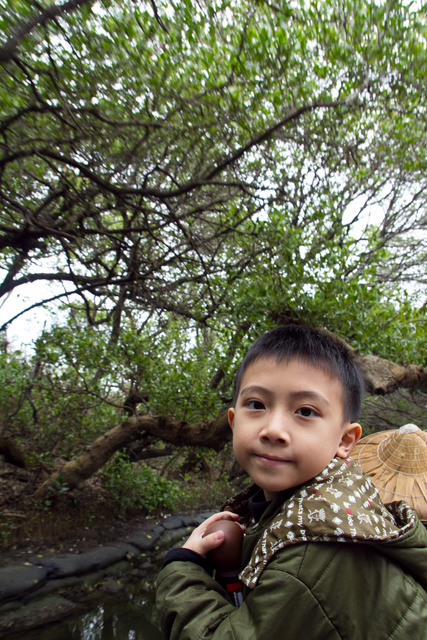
x=381 y=377
x=12 y=452
x=212 y=434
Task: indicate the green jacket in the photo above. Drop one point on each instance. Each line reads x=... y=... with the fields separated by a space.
x=330 y=562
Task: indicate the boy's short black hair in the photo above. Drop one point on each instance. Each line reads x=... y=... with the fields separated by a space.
x=316 y=347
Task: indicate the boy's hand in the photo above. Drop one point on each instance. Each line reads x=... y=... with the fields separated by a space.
x=202 y=545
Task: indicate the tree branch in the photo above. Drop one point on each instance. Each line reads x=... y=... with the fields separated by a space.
x=7 y=51
x=383 y=377
x=213 y=433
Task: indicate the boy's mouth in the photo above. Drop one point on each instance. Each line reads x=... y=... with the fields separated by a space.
x=270 y=459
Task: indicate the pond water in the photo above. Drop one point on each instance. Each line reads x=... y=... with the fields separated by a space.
x=131 y=616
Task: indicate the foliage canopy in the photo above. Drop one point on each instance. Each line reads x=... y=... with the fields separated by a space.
x=186 y=175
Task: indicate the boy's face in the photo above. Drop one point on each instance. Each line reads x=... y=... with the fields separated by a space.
x=288 y=423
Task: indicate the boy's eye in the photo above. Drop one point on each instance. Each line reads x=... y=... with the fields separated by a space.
x=307 y=412
x=255 y=405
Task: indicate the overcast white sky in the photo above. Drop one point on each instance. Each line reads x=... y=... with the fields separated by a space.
x=22 y=331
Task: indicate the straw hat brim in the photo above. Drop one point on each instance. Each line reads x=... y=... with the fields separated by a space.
x=396 y=462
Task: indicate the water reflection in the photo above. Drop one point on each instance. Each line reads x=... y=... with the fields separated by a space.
x=132 y=617
x=127 y=620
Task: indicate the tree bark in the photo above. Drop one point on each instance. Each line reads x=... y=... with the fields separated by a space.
x=383 y=377
x=213 y=433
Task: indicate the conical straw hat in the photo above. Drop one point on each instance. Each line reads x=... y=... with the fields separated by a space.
x=396 y=462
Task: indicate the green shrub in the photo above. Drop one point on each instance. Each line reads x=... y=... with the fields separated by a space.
x=137 y=487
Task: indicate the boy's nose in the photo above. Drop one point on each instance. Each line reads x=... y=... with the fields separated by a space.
x=275 y=429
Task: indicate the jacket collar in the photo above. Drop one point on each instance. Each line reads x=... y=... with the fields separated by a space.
x=339 y=505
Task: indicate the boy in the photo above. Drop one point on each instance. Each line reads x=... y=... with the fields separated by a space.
x=322 y=557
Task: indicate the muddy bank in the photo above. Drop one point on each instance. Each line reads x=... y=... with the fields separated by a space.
x=42 y=590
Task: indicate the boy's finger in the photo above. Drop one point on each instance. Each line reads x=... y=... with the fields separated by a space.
x=203 y=545
x=214 y=540
x=217 y=516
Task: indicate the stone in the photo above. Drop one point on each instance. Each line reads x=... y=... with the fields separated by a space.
x=172 y=522
x=39 y=612
x=170 y=538
x=192 y=521
x=130 y=551
x=146 y=540
x=18 y=580
x=77 y=564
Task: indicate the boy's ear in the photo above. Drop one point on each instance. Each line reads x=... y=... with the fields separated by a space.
x=231 y=417
x=350 y=436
